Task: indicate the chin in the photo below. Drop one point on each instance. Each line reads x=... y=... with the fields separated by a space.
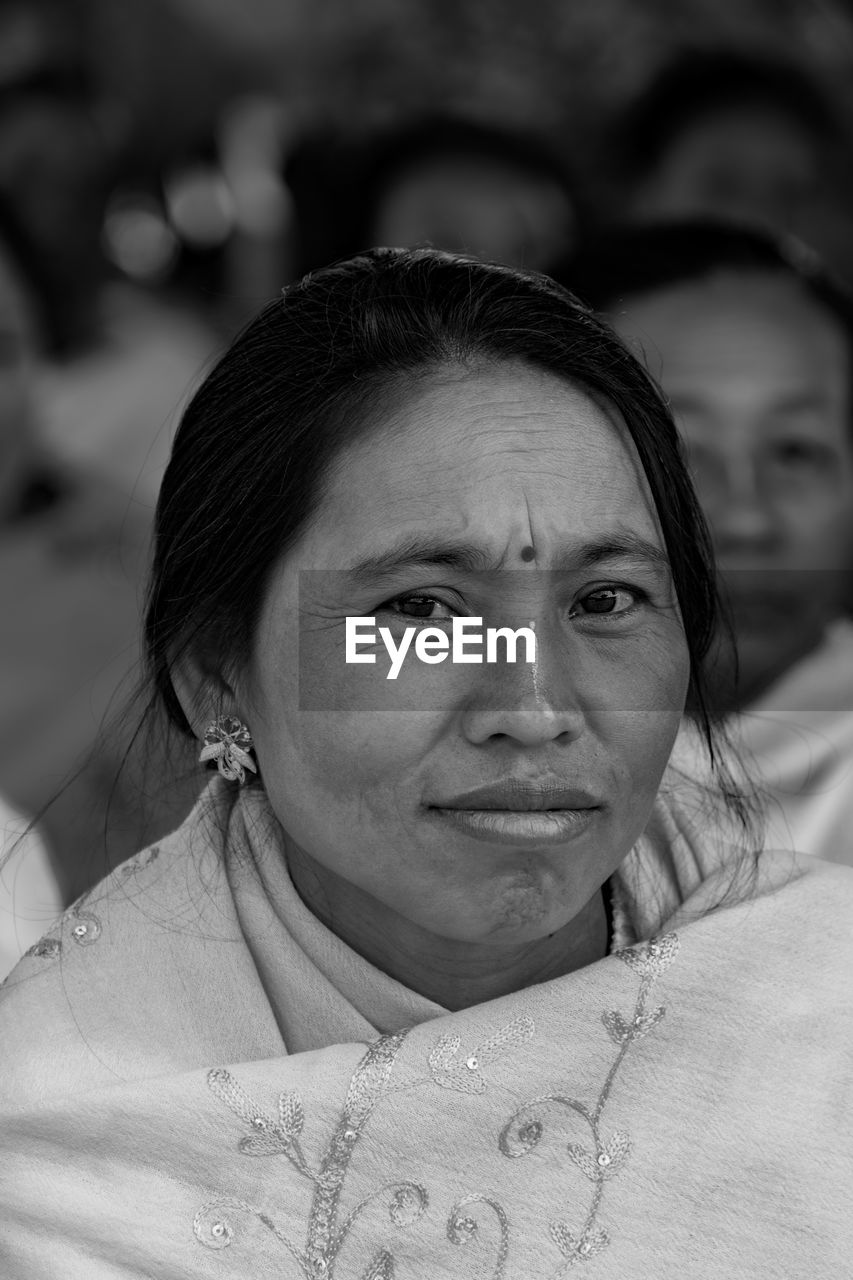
x=525 y=913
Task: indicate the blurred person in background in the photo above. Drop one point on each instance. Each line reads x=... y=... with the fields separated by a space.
x=119 y=356
x=499 y=194
x=73 y=551
x=752 y=345
x=740 y=136
x=57 y=147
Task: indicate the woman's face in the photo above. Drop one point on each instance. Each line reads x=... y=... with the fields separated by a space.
x=479 y=801
x=751 y=164
x=757 y=374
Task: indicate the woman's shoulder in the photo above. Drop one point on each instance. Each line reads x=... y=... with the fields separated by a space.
x=790 y=912
x=815 y=894
x=111 y=991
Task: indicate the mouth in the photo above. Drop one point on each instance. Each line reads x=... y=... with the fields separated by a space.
x=520 y=812
x=518 y=795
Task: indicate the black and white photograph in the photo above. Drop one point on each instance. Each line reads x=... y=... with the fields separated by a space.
x=426 y=640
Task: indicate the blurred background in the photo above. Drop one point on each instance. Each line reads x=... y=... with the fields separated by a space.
x=167 y=165
x=203 y=151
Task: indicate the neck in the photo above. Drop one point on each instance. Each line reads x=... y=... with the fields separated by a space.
x=452 y=972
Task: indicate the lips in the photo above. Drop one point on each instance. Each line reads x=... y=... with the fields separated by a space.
x=518 y=795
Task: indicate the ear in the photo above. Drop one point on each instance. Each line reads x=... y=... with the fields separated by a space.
x=203 y=691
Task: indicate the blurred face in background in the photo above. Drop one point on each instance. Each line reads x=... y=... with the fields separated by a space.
x=758 y=375
x=750 y=163
x=17 y=356
x=477 y=205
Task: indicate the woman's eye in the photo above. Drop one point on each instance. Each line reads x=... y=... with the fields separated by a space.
x=606 y=600
x=419 y=607
x=801 y=453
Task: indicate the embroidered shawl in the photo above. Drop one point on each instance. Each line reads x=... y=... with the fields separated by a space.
x=198 y=1080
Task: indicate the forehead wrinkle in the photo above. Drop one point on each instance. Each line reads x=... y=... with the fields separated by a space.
x=510 y=469
x=546 y=460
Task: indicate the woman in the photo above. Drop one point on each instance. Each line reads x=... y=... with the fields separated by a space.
x=752 y=342
x=438 y=979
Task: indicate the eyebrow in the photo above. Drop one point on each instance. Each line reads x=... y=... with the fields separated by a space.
x=802 y=402
x=418 y=552
x=788 y=402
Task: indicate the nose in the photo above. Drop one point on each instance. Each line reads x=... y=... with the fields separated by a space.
x=741 y=513
x=529 y=703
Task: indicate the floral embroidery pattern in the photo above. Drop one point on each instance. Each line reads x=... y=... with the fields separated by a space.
x=607 y=1155
x=139 y=863
x=465 y=1075
x=85 y=929
x=462 y=1228
x=216 y=1225
x=45 y=949
x=280 y=1136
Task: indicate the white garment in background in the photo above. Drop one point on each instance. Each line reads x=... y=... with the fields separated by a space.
x=115 y=409
x=29 y=896
x=797 y=743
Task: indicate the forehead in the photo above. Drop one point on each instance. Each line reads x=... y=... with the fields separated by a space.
x=729 y=330
x=498 y=455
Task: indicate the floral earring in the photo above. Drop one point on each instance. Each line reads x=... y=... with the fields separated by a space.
x=228 y=742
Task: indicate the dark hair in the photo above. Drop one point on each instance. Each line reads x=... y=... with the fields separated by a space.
x=634 y=259
x=298 y=384
x=699 y=83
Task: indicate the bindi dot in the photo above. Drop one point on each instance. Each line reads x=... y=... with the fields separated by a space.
x=528 y=553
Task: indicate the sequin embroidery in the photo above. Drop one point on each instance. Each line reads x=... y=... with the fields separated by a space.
x=603 y=1157
x=466 y=1074
x=606 y=1156
x=327 y=1230
x=86 y=928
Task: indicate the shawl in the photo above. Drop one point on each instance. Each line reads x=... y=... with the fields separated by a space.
x=198 y=1080
x=29 y=896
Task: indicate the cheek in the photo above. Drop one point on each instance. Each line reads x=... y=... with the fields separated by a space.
x=357 y=755
x=345 y=789
x=820 y=528
x=339 y=741
x=644 y=704
x=647 y=674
